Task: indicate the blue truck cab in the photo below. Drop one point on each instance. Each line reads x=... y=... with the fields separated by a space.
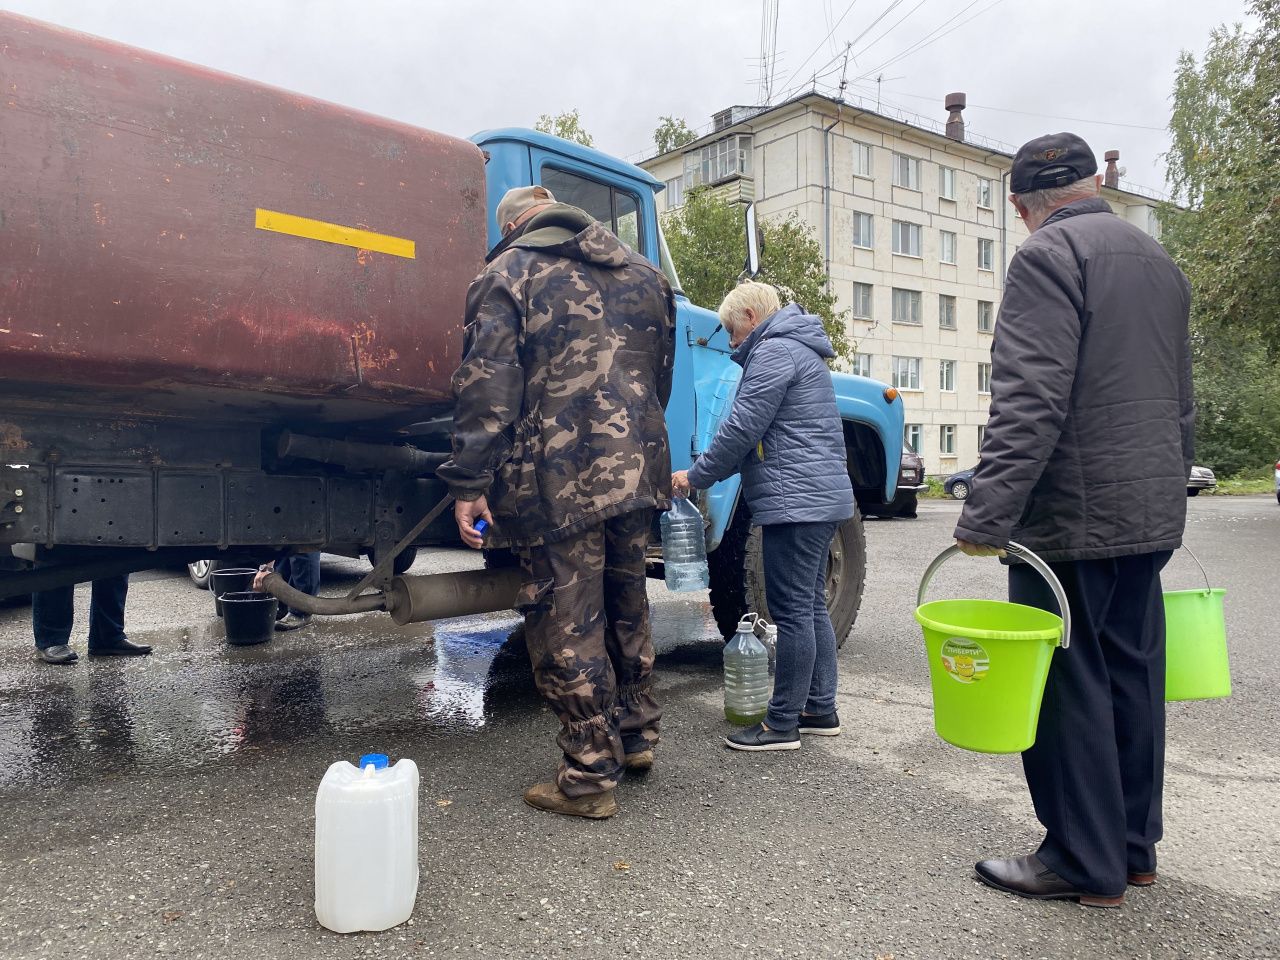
x=621 y=196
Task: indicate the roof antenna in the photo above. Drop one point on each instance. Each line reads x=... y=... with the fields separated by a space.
x=844 y=70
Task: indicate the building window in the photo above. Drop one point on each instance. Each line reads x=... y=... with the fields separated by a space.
x=906 y=238
x=947 y=440
x=986 y=254
x=906 y=171
x=718 y=161
x=906 y=373
x=862 y=364
x=946 y=183
x=911 y=434
x=862 y=160
x=947 y=376
x=985 y=191
x=982 y=435
x=986 y=316
x=947 y=247
x=862 y=232
x=984 y=378
x=906 y=306
x=946 y=312
x=862 y=301
x=675 y=192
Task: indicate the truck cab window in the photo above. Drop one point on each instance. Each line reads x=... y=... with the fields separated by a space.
x=616 y=209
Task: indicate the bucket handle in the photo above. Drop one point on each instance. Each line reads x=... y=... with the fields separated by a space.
x=1208 y=589
x=1022 y=553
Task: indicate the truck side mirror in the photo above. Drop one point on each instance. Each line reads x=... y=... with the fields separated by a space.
x=751 y=269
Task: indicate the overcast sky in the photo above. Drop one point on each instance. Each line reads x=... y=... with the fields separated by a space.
x=460 y=67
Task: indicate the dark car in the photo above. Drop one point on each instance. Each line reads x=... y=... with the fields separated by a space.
x=959 y=484
x=910 y=483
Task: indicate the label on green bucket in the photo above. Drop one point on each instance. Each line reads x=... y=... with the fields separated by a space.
x=965 y=660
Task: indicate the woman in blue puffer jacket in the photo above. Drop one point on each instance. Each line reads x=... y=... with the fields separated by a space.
x=784 y=435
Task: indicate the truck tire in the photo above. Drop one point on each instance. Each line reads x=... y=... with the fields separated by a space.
x=737 y=576
x=401 y=564
x=201 y=571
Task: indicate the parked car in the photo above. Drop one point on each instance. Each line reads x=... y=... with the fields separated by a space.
x=910 y=483
x=959 y=484
x=1201 y=478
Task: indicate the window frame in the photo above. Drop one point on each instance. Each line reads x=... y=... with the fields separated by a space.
x=942 y=182
x=863 y=151
x=914 y=168
x=916 y=306
x=897 y=231
x=946 y=375
x=858 y=288
x=942 y=246
x=945 y=300
x=989 y=245
x=870 y=221
x=614 y=190
x=947 y=432
x=984 y=368
x=986 y=185
x=861 y=360
x=990 y=314
x=674 y=194
x=912 y=374
x=918 y=430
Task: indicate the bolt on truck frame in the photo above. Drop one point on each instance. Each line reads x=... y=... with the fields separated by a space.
x=229 y=315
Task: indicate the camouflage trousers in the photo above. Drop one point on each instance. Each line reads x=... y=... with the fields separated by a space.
x=587 y=628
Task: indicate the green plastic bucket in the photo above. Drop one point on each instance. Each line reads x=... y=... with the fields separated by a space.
x=1196 y=665
x=988 y=662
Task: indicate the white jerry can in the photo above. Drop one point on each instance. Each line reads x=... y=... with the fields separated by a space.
x=367 y=844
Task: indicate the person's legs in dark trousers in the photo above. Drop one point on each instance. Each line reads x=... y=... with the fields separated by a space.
x=302 y=572
x=562 y=598
x=1095 y=769
x=822 y=689
x=794 y=553
x=627 y=634
x=106 y=612
x=52 y=613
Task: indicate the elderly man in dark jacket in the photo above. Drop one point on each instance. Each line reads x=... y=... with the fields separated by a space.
x=560 y=442
x=784 y=435
x=1085 y=462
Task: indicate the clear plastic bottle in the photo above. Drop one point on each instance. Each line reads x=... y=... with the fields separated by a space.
x=367 y=844
x=768 y=634
x=746 y=675
x=684 y=547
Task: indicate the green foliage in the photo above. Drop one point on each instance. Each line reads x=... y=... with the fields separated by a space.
x=672 y=132
x=1223 y=163
x=567 y=126
x=708 y=244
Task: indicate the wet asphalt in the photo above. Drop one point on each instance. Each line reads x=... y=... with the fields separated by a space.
x=163 y=806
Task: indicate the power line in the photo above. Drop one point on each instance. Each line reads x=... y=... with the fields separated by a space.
x=907 y=16
x=812 y=53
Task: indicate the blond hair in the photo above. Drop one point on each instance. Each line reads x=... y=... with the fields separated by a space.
x=749 y=295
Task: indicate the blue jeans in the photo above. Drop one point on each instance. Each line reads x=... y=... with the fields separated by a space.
x=53 y=612
x=302 y=572
x=795 y=575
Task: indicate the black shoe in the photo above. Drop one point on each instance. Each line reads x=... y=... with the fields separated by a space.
x=828 y=726
x=758 y=738
x=124 y=647
x=292 y=621
x=1028 y=877
x=58 y=653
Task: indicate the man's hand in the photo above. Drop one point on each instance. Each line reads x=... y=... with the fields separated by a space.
x=466 y=513
x=978 y=549
x=264 y=571
x=680 y=483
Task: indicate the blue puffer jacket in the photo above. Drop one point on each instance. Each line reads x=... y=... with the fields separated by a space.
x=783 y=432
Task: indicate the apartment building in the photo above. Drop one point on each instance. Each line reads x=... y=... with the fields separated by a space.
x=916 y=230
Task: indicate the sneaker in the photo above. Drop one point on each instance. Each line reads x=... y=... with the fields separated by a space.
x=292 y=621
x=828 y=726
x=758 y=738
x=594 y=806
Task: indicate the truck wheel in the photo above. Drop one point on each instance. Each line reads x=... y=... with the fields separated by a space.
x=401 y=564
x=201 y=571
x=846 y=574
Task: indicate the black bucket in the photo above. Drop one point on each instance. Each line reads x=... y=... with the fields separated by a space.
x=231 y=580
x=248 y=617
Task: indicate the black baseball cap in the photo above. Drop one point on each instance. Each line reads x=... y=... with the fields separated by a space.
x=1053 y=160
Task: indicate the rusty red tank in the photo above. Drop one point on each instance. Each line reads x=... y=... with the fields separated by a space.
x=180 y=241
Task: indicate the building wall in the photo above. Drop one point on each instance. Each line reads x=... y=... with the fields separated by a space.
x=789 y=170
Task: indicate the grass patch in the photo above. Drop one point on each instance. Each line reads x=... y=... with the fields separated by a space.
x=1243 y=486
x=934 y=492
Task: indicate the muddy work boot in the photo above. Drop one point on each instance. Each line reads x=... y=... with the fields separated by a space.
x=594 y=806
x=639 y=762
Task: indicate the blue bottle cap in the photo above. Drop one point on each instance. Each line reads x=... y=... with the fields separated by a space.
x=379 y=761
x=481 y=526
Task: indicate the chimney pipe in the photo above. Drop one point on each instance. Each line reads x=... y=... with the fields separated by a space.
x=1111 y=177
x=955 y=102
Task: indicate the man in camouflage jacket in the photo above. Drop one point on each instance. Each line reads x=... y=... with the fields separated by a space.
x=560 y=443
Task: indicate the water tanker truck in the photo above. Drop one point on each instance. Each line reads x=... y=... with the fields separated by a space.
x=229 y=315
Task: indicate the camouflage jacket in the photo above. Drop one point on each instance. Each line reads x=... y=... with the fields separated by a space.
x=565 y=375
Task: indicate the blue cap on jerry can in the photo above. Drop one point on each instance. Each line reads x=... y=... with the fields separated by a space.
x=481 y=526
x=377 y=760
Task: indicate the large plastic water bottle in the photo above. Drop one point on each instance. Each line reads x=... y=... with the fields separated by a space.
x=367 y=844
x=684 y=547
x=746 y=675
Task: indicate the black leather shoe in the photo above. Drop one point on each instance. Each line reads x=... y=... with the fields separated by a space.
x=1028 y=877
x=758 y=738
x=59 y=653
x=124 y=647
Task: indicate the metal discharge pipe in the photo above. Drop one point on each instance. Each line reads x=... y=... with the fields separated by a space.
x=359 y=456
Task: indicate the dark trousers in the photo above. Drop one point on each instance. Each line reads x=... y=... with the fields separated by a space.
x=302 y=572
x=1096 y=771
x=586 y=615
x=795 y=577
x=53 y=612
